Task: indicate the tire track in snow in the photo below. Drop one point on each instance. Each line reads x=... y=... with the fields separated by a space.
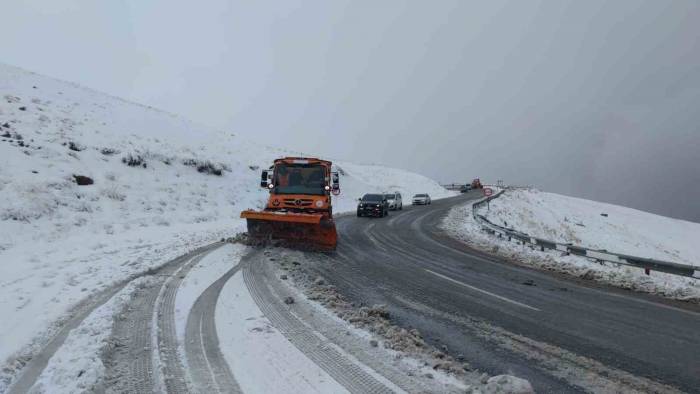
x=144 y=354
x=321 y=351
x=209 y=370
x=173 y=372
x=34 y=368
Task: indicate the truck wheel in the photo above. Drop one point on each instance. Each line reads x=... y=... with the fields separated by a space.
x=359 y=214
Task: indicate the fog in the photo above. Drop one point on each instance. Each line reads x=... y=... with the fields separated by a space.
x=586 y=98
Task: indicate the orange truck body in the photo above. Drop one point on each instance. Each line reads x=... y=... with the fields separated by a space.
x=299 y=210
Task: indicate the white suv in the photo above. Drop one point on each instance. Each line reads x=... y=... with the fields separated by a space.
x=395 y=201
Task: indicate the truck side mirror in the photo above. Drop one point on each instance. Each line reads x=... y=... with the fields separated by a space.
x=335 y=183
x=263 y=179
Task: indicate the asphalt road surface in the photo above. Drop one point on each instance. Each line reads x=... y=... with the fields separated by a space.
x=563 y=334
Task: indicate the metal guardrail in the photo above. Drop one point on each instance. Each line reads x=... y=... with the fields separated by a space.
x=598 y=255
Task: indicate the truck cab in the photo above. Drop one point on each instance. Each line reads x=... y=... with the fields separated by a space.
x=300 y=185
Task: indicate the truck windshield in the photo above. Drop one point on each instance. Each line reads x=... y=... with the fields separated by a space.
x=389 y=196
x=299 y=179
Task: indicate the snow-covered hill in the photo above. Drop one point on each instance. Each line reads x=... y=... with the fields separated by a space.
x=162 y=185
x=591 y=224
x=598 y=225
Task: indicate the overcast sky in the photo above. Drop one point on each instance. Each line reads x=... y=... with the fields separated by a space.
x=587 y=98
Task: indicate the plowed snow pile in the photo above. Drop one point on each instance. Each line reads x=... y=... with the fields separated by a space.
x=95 y=189
x=590 y=224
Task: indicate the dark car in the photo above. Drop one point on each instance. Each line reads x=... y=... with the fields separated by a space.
x=373 y=205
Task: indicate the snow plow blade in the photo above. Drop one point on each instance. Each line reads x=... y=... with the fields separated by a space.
x=306 y=231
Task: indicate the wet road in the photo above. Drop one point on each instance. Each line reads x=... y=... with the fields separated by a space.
x=563 y=334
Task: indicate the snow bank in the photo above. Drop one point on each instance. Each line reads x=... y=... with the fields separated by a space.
x=562 y=225
x=160 y=186
x=356 y=180
x=597 y=225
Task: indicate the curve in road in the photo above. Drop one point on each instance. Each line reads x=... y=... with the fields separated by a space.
x=565 y=335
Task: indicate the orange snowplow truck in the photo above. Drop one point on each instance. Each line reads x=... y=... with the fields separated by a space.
x=299 y=212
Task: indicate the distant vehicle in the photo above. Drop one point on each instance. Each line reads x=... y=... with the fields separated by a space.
x=476 y=184
x=395 y=201
x=421 y=199
x=465 y=188
x=373 y=205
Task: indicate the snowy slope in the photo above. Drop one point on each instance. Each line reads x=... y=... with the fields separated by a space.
x=623 y=230
x=60 y=242
x=566 y=219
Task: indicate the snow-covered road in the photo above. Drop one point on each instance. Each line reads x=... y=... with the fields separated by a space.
x=135 y=347
x=214 y=320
